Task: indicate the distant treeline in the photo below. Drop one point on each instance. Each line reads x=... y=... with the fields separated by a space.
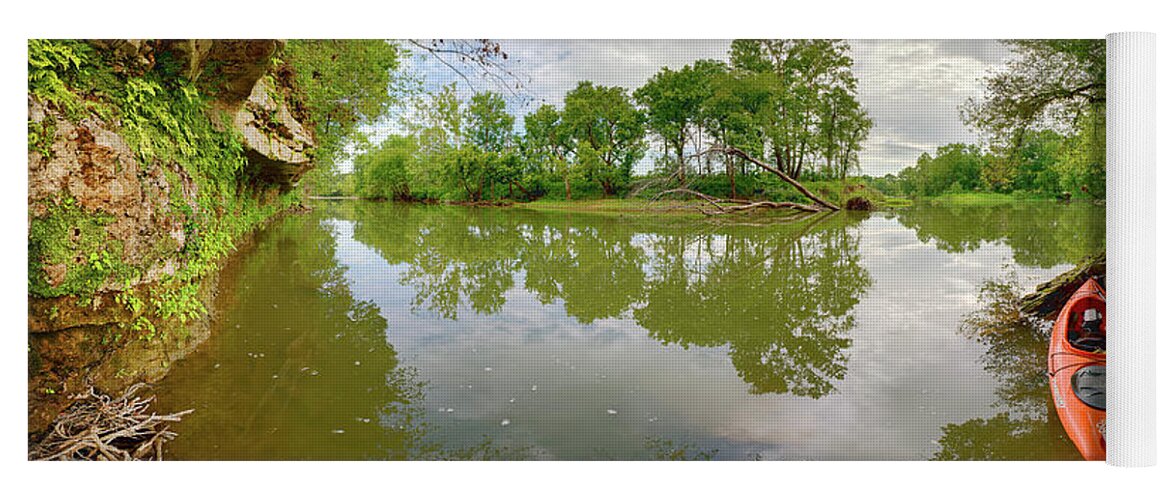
x=791 y=103
x=1044 y=164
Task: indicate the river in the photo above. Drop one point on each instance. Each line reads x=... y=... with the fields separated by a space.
x=370 y=330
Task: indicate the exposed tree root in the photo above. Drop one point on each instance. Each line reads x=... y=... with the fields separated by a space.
x=98 y=427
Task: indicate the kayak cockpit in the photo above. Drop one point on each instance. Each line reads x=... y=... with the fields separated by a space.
x=1087 y=324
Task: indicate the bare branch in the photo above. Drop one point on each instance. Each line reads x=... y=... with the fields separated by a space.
x=98 y=427
x=774 y=170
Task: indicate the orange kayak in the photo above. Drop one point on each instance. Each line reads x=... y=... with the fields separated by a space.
x=1077 y=369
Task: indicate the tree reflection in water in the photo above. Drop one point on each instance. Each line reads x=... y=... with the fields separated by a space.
x=1026 y=426
x=306 y=372
x=1041 y=234
x=778 y=298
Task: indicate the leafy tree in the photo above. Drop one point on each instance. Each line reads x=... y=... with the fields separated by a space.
x=673 y=100
x=470 y=169
x=734 y=114
x=608 y=131
x=954 y=168
x=342 y=83
x=804 y=77
x=385 y=172
x=844 y=125
x=549 y=143
x=1038 y=166
x=1057 y=84
x=487 y=123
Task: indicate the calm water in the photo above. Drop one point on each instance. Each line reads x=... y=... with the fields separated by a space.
x=374 y=331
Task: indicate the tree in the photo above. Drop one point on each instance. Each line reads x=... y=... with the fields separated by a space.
x=342 y=84
x=437 y=125
x=672 y=101
x=487 y=123
x=954 y=168
x=486 y=158
x=549 y=144
x=732 y=114
x=1050 y=83
x=385 y=172
x=844 y=125
x=803 y=77
x=608 y=131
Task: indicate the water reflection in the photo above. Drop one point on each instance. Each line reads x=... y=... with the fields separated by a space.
x=377 y=330
x=1026 y=426
x=779 y=299
x=1041 y=234
x=298 y=368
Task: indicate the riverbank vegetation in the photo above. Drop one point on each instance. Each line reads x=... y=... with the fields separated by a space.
x=779 y=123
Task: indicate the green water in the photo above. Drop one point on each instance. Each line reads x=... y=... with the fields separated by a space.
x=382 y=331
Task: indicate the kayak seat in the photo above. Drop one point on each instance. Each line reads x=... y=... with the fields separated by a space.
x=1087 y=330
x=1089 y=385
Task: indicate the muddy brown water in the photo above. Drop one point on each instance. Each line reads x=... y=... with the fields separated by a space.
x=384 y=331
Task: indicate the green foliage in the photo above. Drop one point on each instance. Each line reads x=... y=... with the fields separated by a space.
x=343 y=84
x=385 y=172
x=673 y=101
x=548 y=144
x=810 y=109
x=608 y=131
x=71 y=237
x=49 y=63
x=954 y=168
x=41 y=135
x=165 y=120
x=487 y=124
x=1058 y=84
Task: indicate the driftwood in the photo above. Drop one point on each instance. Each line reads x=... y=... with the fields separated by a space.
x=1049 y=297
x=98 y=427
x=723 y=206
x=776 y=171
x=720 y=205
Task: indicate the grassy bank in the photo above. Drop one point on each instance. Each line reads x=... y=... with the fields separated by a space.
x=983 y=199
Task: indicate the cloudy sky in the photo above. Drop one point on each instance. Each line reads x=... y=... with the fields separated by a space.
x=911 y=88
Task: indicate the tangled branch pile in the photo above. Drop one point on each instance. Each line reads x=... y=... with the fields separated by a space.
x=723 y=206
x=98 y=427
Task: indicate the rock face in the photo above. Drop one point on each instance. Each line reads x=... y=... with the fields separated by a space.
x=107 y=223
x=277 y=145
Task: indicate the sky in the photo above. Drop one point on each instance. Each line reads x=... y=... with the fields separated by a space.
x=912 y=89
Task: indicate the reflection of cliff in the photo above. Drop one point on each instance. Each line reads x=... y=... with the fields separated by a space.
x=1040 y=234
x=1026 y=427
x=302 y=370
x=778 y=297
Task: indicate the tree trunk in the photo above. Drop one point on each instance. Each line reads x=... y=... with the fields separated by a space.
x=1049 y=297
x=776 y=171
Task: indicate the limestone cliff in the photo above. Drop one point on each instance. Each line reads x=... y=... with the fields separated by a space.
x=148 y=160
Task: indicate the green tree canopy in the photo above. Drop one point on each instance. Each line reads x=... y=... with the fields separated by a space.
x=343 y=83
x=608 y=130
x=811 y=91
x=1054 y=84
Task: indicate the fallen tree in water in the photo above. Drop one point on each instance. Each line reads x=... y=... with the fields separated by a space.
x=1050 y=296
x=98 y=427
x=729 y=205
